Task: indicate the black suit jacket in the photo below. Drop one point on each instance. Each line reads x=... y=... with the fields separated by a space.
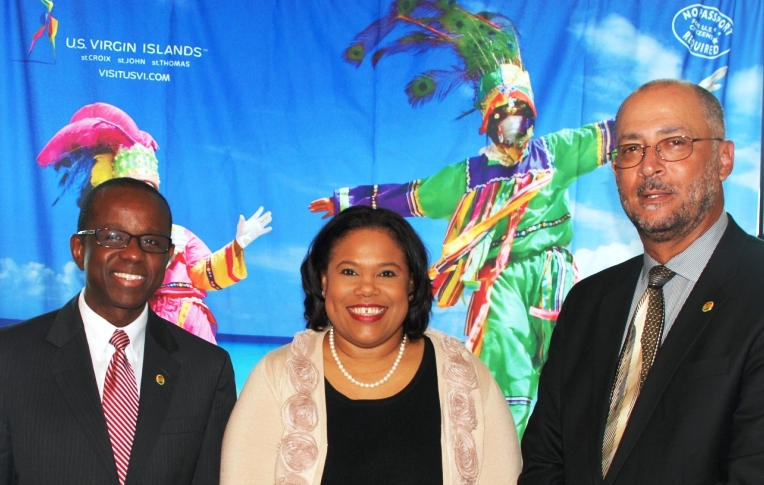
x=699 y=418
x=52 y=427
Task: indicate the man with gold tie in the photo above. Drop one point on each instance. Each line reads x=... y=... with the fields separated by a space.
x=103 y=391
x=656 y=366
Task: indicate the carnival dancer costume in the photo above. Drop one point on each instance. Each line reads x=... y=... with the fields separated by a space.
x=102 y=142
x=510 y=226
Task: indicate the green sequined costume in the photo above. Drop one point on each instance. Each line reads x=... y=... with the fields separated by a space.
x=506 y=245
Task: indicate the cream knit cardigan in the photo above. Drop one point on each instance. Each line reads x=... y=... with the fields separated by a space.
x=277 y=431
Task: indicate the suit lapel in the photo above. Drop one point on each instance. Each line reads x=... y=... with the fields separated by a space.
x=688 y=326
x=607 y=335
x=73 y=371
x=155 y=398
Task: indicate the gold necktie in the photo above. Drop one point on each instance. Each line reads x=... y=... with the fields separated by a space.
x=637 y=356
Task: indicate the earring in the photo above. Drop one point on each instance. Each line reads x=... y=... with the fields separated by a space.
x=322 y=294
x=411 y=297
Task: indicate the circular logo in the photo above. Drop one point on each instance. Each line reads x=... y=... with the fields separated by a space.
x=705 y=31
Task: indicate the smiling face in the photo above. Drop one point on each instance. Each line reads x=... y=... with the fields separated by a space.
x=671 y=202
x=119 y=282
x=367 y=287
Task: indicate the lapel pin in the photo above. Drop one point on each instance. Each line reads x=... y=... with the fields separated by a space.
x=708 y=306
x=160 y=377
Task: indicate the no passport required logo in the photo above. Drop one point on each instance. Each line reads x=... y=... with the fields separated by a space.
x=705 y=31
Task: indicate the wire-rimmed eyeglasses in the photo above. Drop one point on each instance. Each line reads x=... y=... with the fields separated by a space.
x=671 y=149
x=116 y=239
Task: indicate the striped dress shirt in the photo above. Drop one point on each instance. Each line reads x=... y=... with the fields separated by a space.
x=688 y=266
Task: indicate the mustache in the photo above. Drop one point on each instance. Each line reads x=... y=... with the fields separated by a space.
x=653 y=183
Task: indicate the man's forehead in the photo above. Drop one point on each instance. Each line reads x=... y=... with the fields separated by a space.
x=660 y=111
x=118 y=203
x=666 y=130
x=125 y=196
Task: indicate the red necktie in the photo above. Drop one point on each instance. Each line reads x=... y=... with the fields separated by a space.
x=120 y=403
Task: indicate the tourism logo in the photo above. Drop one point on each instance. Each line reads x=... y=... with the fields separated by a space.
x=705 y=31
x=49 y=27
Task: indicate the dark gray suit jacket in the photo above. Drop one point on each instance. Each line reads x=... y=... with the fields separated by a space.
x=52 y=428
x=699 y=418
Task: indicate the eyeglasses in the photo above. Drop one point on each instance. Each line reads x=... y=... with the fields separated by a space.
x=670 y=149
x=116 y=239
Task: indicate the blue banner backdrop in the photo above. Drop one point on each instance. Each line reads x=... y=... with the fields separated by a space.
x=255 y=104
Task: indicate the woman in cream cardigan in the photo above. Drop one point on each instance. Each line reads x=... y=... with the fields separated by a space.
x=367 y=394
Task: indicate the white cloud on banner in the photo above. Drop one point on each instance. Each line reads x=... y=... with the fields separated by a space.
x=746 y=171
x=590 y=261
x=288 y=260
x=611 y=225
x=36 y=280
x=625 y=57
x=744 y=91
x=613 y=228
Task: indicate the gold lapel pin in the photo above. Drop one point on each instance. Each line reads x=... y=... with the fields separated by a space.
x=708 y=306
x=160 y=378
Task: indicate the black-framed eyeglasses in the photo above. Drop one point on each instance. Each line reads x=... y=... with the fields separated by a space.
x=671 y=149
x=116 y=239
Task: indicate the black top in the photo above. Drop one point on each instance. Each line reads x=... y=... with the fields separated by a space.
x=395 y=440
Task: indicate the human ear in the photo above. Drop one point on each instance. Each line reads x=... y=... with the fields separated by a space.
x=726 y=159
x=78 y=251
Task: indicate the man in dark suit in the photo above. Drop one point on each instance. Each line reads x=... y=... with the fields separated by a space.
x=656 y=367
x=103 y=391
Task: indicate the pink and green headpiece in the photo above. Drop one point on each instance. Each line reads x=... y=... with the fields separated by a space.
x=101 y=142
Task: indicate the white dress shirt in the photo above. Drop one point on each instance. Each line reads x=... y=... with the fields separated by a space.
x=99 y=332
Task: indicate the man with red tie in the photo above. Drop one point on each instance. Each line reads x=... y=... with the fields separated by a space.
x=656 y=366
x=103 y=391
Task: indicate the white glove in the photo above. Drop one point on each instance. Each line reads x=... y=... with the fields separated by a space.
x=179 y=238
x=252 y=228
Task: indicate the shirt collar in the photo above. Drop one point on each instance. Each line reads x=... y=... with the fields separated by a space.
x=691 y=262
x=99 y=332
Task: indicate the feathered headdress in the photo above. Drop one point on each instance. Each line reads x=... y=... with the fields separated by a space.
x=485 y=43
x=101 y=142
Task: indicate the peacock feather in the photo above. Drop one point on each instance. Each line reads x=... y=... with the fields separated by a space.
x=482 y=42
x=433 y=84
x=355 y=54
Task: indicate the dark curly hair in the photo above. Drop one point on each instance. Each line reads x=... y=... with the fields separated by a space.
x=316 y=263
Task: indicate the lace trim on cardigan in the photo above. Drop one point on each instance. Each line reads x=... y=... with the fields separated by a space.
x=299 y=414
x=461 y=378
x=298 y=450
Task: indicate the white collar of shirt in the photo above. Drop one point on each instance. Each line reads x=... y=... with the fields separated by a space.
x=688 y=266
x=99 y=331
x=691 y=262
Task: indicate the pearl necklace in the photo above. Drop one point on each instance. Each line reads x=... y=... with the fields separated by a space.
x=351 y=378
